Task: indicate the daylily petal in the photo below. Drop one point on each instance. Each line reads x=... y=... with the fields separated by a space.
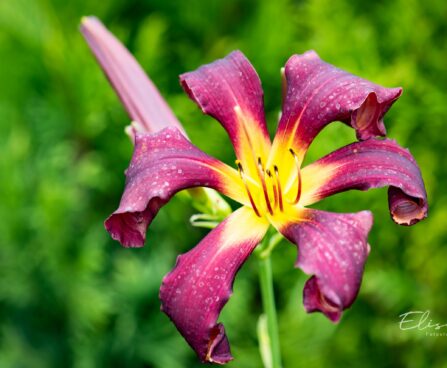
x=319 y=93
x=370 y=164
x=229 y=90
x=139 y=95
x=333 y=248
x=196 y=290
x=164 y=163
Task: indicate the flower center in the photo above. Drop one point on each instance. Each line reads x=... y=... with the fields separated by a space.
x=267 y=195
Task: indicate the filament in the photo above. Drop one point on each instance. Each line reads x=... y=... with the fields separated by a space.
x=241 y=173
x=278 y=183
x=275 y=192
x=297 y=162
x=264 y=187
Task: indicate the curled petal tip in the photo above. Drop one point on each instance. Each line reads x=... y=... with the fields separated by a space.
x=129 y=228
x=218 y=346
x=406 y=210
x=315 y=301
x=367 y=118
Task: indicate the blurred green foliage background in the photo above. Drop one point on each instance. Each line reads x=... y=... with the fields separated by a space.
x=70 y=296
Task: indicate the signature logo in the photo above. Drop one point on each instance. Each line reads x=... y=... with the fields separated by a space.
x=421 y=321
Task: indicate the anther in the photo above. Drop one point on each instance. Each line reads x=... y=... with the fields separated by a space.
x=242 y=175
x=278 y=183
x=297 y=162
x=260 y=167
x=264 y=187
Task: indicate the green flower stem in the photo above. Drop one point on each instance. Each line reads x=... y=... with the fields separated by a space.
x=271 y=354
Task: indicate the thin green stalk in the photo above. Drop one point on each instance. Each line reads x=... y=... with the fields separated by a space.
x=273 y=354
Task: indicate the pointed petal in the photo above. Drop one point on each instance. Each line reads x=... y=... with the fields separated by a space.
x=333 y=248
x=319 y=93
x=164 y=163
x=139 y=95
x=229 y=90
x=199 y=286
x=370 y=164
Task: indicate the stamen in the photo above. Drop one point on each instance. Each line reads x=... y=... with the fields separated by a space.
x=241 y=173
x=297 y=161
x=278 y=182
x=275 y=192
x=264 y=187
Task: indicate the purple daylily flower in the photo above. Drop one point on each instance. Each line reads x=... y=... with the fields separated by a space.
x=272 y=187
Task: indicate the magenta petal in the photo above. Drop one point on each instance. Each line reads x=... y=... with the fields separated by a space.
x=333 y=247
x=163 y=163
x=139 y=95
x=371 y=164
x=319 y=93
x=229 y=90
x=199 y=286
